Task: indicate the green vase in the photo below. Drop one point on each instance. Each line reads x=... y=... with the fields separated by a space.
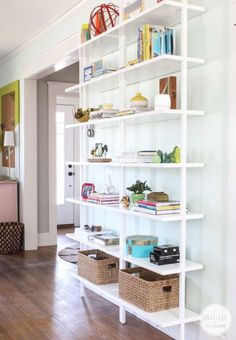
x=137 y=197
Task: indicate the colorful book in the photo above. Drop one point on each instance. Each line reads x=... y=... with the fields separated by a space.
x=146 y=211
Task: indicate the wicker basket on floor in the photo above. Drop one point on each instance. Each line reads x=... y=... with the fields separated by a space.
x=11 y=237
x=98 y=267
x=148 y=290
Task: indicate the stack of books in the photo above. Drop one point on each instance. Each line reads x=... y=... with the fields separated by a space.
x=153 y=41
x=146 y=156
x=133 y=157
x=158 y=208
x=103 y=113
x=104 y=199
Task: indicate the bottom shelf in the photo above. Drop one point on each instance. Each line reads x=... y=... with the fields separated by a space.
x=161 y=319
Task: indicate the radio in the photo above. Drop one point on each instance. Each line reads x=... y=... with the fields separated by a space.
x=166 y=254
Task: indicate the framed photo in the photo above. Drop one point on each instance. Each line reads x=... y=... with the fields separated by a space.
x=87 y=189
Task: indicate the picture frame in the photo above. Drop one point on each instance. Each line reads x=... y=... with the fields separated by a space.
x=87 y=189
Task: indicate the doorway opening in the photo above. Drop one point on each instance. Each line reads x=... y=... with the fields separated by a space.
x=55 y=149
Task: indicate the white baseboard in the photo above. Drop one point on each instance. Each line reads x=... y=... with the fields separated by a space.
x=47 y=239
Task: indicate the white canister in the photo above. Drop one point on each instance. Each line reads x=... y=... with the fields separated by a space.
x=162 y=102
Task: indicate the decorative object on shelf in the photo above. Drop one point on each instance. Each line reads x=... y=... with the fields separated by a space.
x=173 y=157
x=162 y=102
x=103 y=17
x=107 y=240
x=87 y=189
x=82 y=115
x=125 y=201
x=140 y=246
x=158 y=197
x=148 y=290
x=98 y=267
x=90 y=131
x=133 y=9
x=166 y=254
x=99 y=153
x=109 y=188
x=85 y=33
x=93 y=228
x=153 y=41
x=101 y=67
x=138 y=101
x=138 y=190
x=168 y=86
x=88 y=73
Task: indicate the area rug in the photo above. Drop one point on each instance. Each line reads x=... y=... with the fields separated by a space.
x=69 y=254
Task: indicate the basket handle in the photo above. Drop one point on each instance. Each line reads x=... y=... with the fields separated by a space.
x=111 y=265
x=167 y=289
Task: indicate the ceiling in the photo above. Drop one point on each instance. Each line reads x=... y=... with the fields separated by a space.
x=22 y=19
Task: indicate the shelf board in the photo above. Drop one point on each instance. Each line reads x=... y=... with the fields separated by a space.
x=154 y=68
x=140 y=118
x=130 y=212
x=166 y=13
x=168 y=269
x=138 y=165
x=81 y=237
x=166 y=318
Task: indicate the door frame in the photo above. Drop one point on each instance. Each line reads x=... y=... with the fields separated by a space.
x=55 y=90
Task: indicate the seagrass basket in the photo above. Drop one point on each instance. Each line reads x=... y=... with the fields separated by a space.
x=148 y=290
x=11 y=237
x=98 y=267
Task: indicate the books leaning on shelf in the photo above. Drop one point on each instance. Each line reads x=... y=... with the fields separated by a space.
x=104 y=199
x=153 y=41
x=158 y=208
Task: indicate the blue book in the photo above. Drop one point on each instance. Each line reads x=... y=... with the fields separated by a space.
x=150 y=207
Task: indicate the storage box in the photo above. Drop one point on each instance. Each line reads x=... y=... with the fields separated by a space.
x=98 y=267
x=140 y=245
x=148 y=290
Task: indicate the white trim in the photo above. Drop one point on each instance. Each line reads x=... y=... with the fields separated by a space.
x=28 y=163
x=55 y=89
x=46 y=239
x=44 y=29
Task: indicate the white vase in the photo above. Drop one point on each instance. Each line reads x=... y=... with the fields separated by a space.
x=162 y=102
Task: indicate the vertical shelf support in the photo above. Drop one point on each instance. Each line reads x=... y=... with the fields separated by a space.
x=184 y=106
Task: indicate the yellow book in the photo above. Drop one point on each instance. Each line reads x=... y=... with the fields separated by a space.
x=148 y=42
x=169 y=207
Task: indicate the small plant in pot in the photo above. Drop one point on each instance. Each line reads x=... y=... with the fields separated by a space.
x=137 y=190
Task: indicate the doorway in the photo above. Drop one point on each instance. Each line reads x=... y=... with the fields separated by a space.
x=65 y=172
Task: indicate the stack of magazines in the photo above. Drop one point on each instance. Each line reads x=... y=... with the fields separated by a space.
x=158 y=208
x=104 y=199
x=103 y=113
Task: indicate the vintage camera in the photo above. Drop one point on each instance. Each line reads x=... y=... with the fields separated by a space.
x=166 y=254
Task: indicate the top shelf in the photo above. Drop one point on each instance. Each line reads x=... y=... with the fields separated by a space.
x=166 y=13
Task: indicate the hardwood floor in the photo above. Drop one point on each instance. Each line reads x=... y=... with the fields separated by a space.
x=39 y=299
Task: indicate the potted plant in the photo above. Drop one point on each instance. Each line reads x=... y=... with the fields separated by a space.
x=138 y=189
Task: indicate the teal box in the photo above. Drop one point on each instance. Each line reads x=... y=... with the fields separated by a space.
x=141 y=246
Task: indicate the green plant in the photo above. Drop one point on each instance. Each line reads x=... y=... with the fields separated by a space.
x=139 y=187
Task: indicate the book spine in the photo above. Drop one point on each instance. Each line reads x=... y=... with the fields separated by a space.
x=147 y=211
x=150 y=207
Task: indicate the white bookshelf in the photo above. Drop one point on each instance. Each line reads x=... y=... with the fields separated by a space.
x=168 y=13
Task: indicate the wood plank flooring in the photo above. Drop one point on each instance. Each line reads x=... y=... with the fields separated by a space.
x=39 y=299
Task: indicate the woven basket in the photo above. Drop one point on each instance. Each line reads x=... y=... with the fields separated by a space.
x=98 y=267
x=148 y=290
x=11 y=237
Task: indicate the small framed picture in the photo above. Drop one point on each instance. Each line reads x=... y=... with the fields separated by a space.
x=87 y=189
x=87 y=73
